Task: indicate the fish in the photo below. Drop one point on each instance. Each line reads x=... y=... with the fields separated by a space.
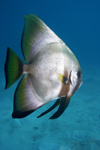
x=50 y=72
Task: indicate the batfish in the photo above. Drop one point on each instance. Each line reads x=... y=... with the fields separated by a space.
x=50 y=72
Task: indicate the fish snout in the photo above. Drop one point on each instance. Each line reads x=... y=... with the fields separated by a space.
x=75 y=82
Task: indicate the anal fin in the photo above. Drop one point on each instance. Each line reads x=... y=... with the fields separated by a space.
x=25 y=100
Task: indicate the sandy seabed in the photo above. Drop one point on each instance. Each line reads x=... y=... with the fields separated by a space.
x=77 y=129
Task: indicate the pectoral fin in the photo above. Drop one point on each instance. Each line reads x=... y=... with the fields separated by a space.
x=50 y=109
x=63 y=105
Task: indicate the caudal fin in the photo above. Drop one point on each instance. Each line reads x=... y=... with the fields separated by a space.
x=13 y=68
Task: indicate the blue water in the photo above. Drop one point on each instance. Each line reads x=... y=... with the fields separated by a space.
x=77 y=23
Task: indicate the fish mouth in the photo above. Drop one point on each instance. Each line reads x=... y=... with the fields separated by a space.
x=73 y=89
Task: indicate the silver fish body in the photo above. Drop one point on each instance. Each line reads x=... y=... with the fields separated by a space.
x=52 y=70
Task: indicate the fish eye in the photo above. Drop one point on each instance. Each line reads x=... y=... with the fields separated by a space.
x=78 y=74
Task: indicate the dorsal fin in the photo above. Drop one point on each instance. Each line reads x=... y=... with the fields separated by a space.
x=36 y=35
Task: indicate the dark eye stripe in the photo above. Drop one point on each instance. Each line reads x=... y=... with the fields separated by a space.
x=64 y=80
x=70 y=77
x=67 y=81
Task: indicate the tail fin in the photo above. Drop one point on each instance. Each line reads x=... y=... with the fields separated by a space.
x=13 y=68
